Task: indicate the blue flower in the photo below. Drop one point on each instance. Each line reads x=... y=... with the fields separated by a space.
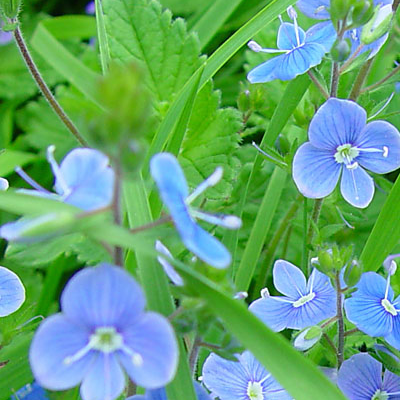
x=245 y=379
x=3 y=184
x=12 y=292
x=101 y=331
x=304 y=304
x=90 y=8
x=31 y=391
x=341 y=143
x=161 y=394
x=302 y=51
x=360 y=378
x=373 y=308
x=5 y=37
x=174 y=192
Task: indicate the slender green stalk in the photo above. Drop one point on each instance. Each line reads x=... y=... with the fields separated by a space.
x=318 y=84
x=359 y=82
x=194 y=353
x=339 y=307
x=383 y=80
x=334 y=79
x=118 y=254
x=150 y=225
x=44 y=88
x=305 y=228
x=351 y=58
x=314 y=218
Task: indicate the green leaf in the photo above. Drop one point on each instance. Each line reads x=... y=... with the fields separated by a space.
x=9 y=159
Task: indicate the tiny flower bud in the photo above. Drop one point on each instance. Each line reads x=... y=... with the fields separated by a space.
x=325 y=261
x=378 y=25
x=240 y=295
x=339 y=9
x=340 y=50
x=10 y=8
x=307 y=338
x=352 y=273
x=243 y=101
x=363 y=11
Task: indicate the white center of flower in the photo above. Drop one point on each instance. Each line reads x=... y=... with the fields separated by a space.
x=304 y=299
x=255 y=391
x=346 y=153
x=380 y=395
x=388 y=306
x=106 y=339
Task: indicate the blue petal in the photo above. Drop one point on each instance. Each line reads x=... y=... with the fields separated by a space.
x=393 y=338
x=337 y=122
x=152 y=337
x=266 y=71
x=289 y=279
x=12 y=292
x=391 y=384
x=287 y=36
x=364 y=308
x=303 y=344
x=104 y=380
x=376 y=135
x=357 y=187
x=359 y=377
x=90 y=180
x=317 y=9
x=323 y=33
x=103 y=296
x=3 y=184
x=315 y=171
x=56 y=339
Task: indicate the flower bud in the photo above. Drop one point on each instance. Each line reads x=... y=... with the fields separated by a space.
x=243 y=101
x=10 y=9
x=340 y=50
x=307 y=338
x=339 y=9
x=378 y=25
x=352 y=273
x=362 y=12
x=324 y=261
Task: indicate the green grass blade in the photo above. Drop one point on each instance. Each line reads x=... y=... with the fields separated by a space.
x=102 y=38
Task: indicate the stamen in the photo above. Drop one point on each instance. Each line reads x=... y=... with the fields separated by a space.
x=304 y=300
x=136 y=358
x=212 y=180
x=258 y=49
x=352 y=166
x=265 y=293
x=162 y=249
x=226 y=221
x=385 y=151
x=56 y=171
x=79 y=354
x=266 y=154
x=255 y=391
x=388 y=306
x=293 y=16
x=29 y=180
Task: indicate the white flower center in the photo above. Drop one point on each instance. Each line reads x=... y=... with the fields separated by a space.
x=346 y=153
x=255 y=391
x=380 y=395
x=304 y=299
x=388 y=306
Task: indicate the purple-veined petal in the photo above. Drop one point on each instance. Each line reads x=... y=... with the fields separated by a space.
x=12 y=292
x=153 y=339
x=289 y=279
x=364 y=308
x=357 y=187
x=266 y=71
x=103 y=296
x=315 y=171
x=393 y=338
x=287 y=39
x=56 y=339
x=323 y=33
x=382 y=136
x=359 y=377
x=337 y=122
x=317 y=9
x=104 y=380
x=391 y=384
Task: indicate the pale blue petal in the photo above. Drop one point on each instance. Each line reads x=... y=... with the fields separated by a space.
x=287 y=36
x=391 y=384
x=359 y=377
x=289 y=279
x=5 y=37
x=393 y=338
x=266 y=71
x=376 y=135
x=357 y=187
x=104 y=380
x=317 y=9
x=364 y=308
x=103 y=296
x=56 y=339
x=12 y=292
x=323 y=33
x=274 y=311
x=337 y=122
x=3 y=184
x=315 y=171
x=152 y=337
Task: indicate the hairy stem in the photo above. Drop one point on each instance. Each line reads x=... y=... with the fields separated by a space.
x=318 y=84
x=314 y=218
x=44 y=88
x=362 y=75
x=339 y=307
x=194 y=353
x=334 y=79
x=351 y=58
x=383 y=80
x=158 y=222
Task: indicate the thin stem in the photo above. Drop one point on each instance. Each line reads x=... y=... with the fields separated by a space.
x=151 y=225
x=351 y=58
x=285 y=245
x=44 y=88
x=318 y=84
x=330 y=321
x=362 y=75
x=331 y=344
x=335 y=79
x=314 y=218
x=118 y=254
x=395 y=5
x=383 y=80
x=305 y=228
x=340 y=347
x=194 y=353
x=351 y=332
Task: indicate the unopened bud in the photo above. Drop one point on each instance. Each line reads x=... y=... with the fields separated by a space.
x=308 y=338
x=363 y=11
x=325 y=262
x=352 y=273
x=340 y=50
x=10 y=8
x=378 y=25
x=339 y=9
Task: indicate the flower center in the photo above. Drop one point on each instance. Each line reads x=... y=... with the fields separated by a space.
x=106 y=339
x=304 y=299
x=255 y=391
x=380 y=395
x=388 y=306
x=346 y=153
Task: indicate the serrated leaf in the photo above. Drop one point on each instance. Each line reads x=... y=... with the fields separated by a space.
x=89 y=252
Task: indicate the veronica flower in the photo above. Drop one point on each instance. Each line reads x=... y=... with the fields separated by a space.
x=360 y=378
x=31 y=391
x=343 y=144
x=90 y=8
x=301 y=51
x=3 y=184
x=373 y=308
x=174 y=192
x=304 y=304
x=102 y=331
x=12 y=292
x=245 y=379
x=5 y=37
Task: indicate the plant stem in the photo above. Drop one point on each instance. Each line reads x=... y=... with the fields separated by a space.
x=362 y=75
x=351 y=331
x=383 y=80
x=314 y=218
x=395 y=5
x=331 y=344
x=194 y=352
x=351 y=58
x=151 y=225
x=305 y=228
x=44 y=88
x=335 y=79
x=340 y=347
x=318 y=84
x=118 y=254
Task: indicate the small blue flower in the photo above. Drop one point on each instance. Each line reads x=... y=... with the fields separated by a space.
x=304 y=304
x=5 y=37
x=245 y=379
x=342 y=143
x=360 y=378
x=3 y=184
x=31 y=391
x=373 y=308
x=174 y=192
x=101 y=331
x=302 y=51
x=161 y=394
x=12 y=292
x=90 y=8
